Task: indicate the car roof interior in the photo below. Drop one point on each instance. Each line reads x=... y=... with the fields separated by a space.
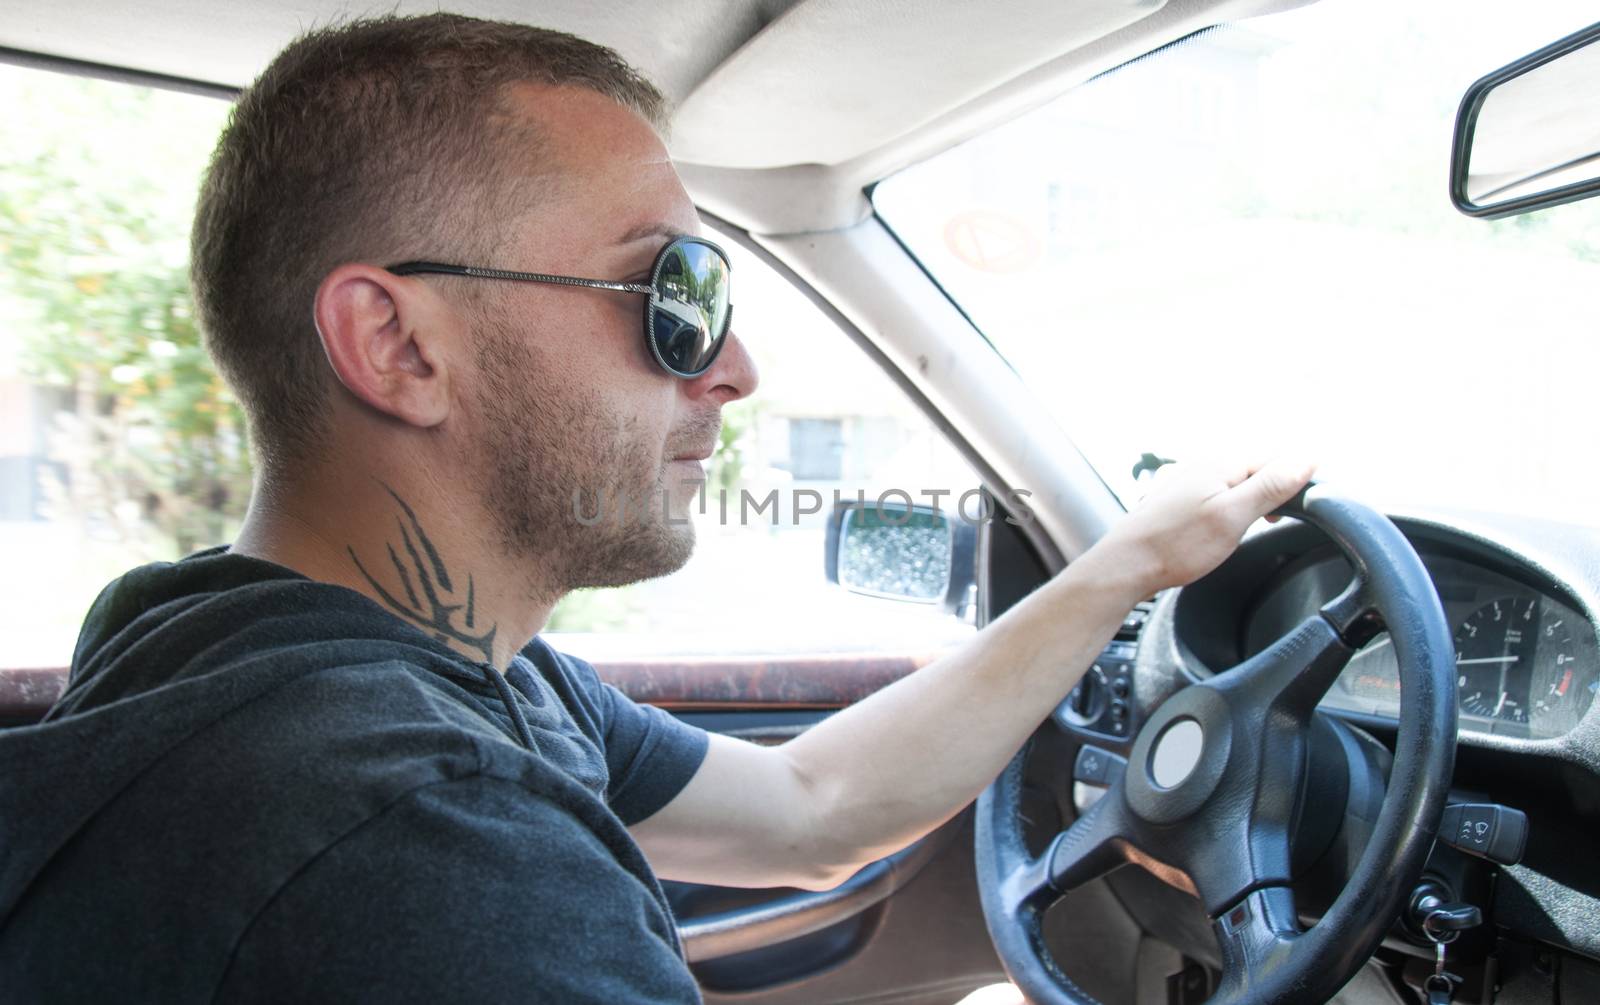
x=784 y=110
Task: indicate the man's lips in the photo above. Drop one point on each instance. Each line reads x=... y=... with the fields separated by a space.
x=698 y=455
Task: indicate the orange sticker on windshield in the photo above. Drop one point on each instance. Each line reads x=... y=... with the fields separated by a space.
x=992 y=242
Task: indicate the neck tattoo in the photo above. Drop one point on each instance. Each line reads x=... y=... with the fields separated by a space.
x=423 y=569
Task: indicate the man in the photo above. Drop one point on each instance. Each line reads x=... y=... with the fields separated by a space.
x=328 y=762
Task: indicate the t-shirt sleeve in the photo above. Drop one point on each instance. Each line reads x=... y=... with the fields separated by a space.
x=469 y=890
x=650 y=754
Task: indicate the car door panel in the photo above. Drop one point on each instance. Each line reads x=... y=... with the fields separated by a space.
x=847 y=944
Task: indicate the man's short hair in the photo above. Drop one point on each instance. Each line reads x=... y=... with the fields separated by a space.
x=376 y=141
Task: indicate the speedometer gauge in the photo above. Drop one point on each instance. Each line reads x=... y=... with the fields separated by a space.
x=1515 y=662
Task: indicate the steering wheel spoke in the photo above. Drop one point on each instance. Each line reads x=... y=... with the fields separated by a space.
x=1095 y=844
x=1091 y=847
x=1285 y=681
x=1255 y=937
x=1353 y=614
x=1248 y=852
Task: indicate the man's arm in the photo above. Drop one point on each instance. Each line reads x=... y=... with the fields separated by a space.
x=889 y=769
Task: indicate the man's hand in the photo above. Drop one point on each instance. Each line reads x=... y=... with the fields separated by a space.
x=1194 y=518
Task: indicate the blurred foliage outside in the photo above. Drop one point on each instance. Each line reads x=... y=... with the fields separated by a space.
x=94 y=220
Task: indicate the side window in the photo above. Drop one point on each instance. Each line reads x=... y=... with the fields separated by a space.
x=826 y=422
x=120 y=446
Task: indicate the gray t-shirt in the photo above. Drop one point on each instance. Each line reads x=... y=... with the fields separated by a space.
x=259 y=787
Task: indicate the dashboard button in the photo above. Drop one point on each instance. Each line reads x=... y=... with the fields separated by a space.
x=1097 y=767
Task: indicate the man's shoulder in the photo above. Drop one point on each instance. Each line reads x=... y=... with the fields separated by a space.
x=555 y=663
x=252 y=850
x=360 y=691
x=364 y=734
x=275 y=783
x=322 y=750
x=475 y=888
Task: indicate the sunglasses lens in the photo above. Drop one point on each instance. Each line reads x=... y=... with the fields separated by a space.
x=689 y=308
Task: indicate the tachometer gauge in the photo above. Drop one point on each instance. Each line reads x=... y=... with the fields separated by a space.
x=1495 y=649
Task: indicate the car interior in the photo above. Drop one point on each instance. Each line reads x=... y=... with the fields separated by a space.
x=1359 y=762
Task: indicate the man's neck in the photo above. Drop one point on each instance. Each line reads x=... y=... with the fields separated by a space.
x=397 y=547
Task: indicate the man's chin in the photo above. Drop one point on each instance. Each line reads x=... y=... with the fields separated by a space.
x=675 y=547
x=644 y=552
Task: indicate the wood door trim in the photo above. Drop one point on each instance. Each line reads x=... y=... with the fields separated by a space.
x=826 y=681
x=704 y=683
x=26 y=693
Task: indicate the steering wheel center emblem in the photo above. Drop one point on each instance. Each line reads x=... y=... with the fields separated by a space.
x=1178 y=758
x=1177 y=751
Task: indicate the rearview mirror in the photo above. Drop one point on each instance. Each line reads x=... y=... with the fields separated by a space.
x=1528 y=135
x=899 y=552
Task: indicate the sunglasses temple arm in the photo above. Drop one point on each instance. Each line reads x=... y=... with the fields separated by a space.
x=477 y=272
x=417 y=268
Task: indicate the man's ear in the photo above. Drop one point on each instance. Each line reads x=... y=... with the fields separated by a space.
x=387 y=337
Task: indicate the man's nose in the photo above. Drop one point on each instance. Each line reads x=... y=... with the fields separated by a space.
x=731 y=377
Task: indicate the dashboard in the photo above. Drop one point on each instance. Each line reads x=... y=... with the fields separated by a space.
x=1527 y=664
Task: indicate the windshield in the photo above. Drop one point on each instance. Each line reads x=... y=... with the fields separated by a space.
x=1243 y=242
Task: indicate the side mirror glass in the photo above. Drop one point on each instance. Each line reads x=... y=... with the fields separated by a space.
x=916 y=554
x=1528 y=135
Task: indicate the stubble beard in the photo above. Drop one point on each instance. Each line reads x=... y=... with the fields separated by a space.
x=550 y=462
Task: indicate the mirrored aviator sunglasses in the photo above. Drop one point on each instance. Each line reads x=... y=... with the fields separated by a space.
x=686 y=323
x=686 y=317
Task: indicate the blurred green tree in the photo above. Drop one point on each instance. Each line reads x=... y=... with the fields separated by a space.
x=94 y=217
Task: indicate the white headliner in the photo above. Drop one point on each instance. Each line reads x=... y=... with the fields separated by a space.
x=889 y=67
x=787 y=109
x=229 y=42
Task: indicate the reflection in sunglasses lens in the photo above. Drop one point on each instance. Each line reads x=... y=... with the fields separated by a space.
x=690 y=306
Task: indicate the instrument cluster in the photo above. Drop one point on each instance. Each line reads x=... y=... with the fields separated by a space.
x=1527 y=663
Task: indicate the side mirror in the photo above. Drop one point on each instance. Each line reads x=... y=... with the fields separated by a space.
x=916 y=554
x=1528 y=135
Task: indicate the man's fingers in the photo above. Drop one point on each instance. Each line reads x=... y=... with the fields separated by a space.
x=1239 y=473
x=1268 y=488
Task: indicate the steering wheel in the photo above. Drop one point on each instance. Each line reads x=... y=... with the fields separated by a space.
x=1224 y=829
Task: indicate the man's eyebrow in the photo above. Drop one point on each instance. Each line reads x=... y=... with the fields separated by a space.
x=644 y=230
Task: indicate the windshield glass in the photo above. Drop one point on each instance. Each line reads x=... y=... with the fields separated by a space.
x=1244 y=242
